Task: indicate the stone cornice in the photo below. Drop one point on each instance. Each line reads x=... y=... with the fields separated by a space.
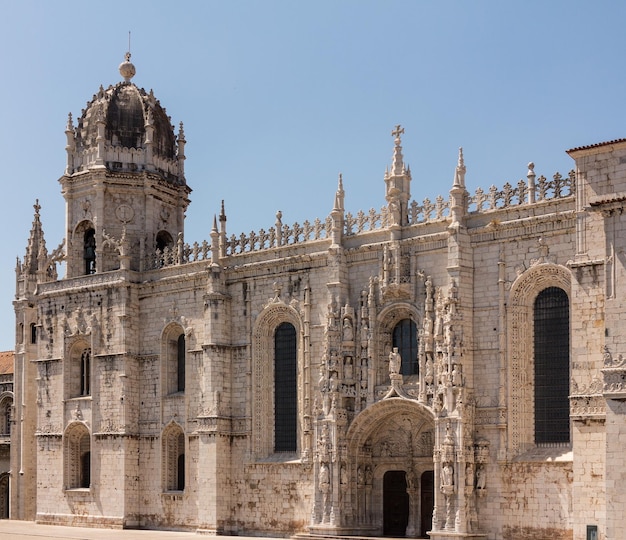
x=529 y=226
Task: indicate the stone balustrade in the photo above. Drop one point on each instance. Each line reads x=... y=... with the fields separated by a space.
x=525 y=193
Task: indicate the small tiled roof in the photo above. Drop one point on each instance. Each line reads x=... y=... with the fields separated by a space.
x=6 y=362
x=597 y=145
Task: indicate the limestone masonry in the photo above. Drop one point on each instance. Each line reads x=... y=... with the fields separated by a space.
x=451 y=368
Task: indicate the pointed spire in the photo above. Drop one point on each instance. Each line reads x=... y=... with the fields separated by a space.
x=397 y=167
x=215 y=243
x=70 y=146
x=458 y=193
x=36 y=243
x=181 y=151
x=459 y=173
x=398 y=186
x=339 y=195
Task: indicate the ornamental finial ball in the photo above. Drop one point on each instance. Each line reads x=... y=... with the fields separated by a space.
x=127 y=69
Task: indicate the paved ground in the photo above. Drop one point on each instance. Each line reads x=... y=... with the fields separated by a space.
x=27 y=530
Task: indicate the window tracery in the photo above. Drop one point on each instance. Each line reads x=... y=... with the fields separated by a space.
x=173 y=458
x=173 y=355
x=521 y=350
x=273 y=428
x=79 y=371
x=77 y=457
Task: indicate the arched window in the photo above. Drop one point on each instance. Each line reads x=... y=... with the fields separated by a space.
x=4 y=496
x=174 y=359
x=405 y=338
x=173 y=456
x=180 y=363
x=164 y=240
x=6 y=407
x=285 y=389
x=89 y=251
x=85 y=373
x=552 y=373
x=79 y=371
x=33 y=333
x=77 y=457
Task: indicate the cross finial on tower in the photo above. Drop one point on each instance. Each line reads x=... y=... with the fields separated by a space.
x=399 y=130
x=37 y=206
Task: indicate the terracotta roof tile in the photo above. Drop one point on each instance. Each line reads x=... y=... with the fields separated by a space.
x=6 y=362
x=596 y=145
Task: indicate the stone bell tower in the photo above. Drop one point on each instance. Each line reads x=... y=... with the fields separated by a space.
x=124 y=183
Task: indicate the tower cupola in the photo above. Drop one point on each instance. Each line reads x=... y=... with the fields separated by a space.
x=124 y=128
x=124 y=181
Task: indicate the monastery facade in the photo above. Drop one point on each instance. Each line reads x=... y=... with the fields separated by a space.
x=447 y=369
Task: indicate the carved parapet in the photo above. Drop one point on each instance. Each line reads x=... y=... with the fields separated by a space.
x=614 y=383
x=587 y=402
x=614 y=376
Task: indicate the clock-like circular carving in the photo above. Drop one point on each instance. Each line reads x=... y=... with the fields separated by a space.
x=124 y=213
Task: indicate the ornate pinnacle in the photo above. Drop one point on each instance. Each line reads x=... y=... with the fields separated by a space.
x=339 y=194
x=459 y=173
x=397 y=166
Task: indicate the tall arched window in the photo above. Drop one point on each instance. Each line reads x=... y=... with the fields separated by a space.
x=552 y=373
x=405 y=338
x=77 y=457
x=174 y=350
x=89 y=251
x=180 y=363
x=79 y=372
x=6 y=407
x=285 y=389
x=173 y=453
x=85 y=373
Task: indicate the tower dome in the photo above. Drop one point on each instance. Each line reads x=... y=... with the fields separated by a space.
x=124 y=128
x=124 y=183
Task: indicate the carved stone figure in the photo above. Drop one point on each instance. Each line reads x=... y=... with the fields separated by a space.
x=348 y=332
x=324 y=481
x=395 y=361
x=481 y=479
x=447 y=475
x=457 y=376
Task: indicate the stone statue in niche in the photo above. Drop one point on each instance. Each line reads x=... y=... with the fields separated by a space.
x=469 y=474
x=348 y=332
x=343 y=477
x=395 y=361
x=481 y=480
x=447 y=478
x=348 y=368
x=364 y=337
x=324 y=482
x=457 y=376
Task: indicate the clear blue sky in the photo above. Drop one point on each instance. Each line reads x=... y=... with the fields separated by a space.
x=279 y=97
